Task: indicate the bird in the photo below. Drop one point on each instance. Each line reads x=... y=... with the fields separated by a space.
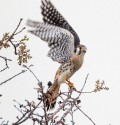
x=65 y=48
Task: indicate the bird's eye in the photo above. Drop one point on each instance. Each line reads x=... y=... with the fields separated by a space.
x=75 y=50
x=84 y=51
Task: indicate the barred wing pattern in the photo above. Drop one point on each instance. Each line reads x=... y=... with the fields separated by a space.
x=60 y=40
x=52 y=16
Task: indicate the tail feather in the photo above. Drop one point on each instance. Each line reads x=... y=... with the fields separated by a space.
x=51 y=96
x=50 y=101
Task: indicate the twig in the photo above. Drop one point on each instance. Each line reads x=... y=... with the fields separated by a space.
x=32 y=73
x=15 y=30
x=23 y=118
x=84 y=84
x=3 y=122
x=7 y=39
x=14 y=47
x=23 y=71
x=86 y=115
x=72 y=115
x=89 y=92
x=66 y=113
x=83 y=92
x=6 y=63
x=14 y=33
x=40 y=83
x=19 y=31
x=62 y=106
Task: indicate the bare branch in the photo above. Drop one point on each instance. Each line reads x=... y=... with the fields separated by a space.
x=61 y=107
x=19 y=46
x=42 y=92
x=68 y=106
x=84 y=84
x=23 y=71
x=86 y=115
x=4 y=122
x=28 y=113
x=14 y=46
x=6 y=63
x=66 y=113
x=19 y=31
x=72 y=112
x=11 y=36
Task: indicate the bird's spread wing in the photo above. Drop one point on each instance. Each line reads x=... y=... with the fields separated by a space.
x=52 y=16
x=60 y=40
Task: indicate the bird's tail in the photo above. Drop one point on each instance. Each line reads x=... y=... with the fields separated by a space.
x=51 y=96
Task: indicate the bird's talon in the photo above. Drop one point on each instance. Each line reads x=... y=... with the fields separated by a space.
x=71 y=85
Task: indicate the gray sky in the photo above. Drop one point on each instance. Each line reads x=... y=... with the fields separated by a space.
x=97 y=23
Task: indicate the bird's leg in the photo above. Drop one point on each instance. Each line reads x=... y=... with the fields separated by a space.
x=70 y=84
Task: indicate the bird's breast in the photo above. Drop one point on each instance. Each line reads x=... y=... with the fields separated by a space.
x=77 y=62
x=67 y=69
x=63 y=76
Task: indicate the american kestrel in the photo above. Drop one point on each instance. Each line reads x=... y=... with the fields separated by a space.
x=64 y=46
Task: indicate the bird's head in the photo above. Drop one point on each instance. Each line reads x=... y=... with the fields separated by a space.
x=81 y=49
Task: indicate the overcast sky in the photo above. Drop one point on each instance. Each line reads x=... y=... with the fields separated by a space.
x=97 y=23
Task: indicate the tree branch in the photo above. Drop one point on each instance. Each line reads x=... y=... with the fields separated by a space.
x=86 y=115
x=29 y=113
x=23 y=71
x=42 y=92
x=11 y=36
x=6 y=63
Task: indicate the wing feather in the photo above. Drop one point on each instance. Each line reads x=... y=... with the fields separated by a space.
x=60 y=40
x=52 y=16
